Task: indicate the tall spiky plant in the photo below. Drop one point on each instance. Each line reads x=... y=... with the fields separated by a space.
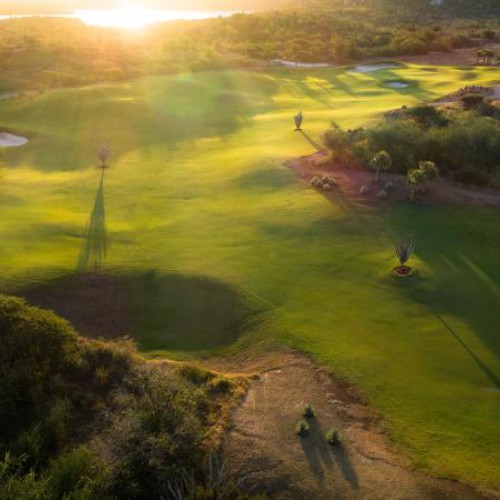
x=404 y=248
x=298 y=118
x=103 y=155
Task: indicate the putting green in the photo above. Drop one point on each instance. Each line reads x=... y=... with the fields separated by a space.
x=197 y=186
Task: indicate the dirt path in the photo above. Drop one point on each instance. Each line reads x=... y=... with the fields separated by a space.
x=261 y=444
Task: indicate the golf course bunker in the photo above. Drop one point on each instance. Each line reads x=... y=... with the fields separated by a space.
x=397 y=85
x=368 y=68
x=160 y=311
x=11 y=141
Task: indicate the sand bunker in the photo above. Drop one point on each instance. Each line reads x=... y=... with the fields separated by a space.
x=367 y=68
x=11 y=140
x=8 y=95
x=397 y=85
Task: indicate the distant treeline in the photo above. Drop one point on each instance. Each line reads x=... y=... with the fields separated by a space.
x=43 y=53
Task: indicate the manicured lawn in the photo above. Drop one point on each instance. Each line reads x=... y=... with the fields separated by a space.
x=198 y=187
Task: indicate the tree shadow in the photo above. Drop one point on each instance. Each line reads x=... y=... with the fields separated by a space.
x=494 y=379
x=311 y=141
x=463 y=280
x=94 y=246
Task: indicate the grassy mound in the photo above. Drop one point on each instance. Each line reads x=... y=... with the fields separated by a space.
x=160 y=311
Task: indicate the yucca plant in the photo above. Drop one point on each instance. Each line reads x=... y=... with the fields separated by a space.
x=404 y=248
x=298 y=118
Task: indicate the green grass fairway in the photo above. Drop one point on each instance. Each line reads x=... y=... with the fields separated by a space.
x=198 y=187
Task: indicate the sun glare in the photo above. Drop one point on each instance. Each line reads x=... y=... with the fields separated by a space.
x=127 y=17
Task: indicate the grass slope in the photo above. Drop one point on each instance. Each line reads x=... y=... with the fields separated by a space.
x=198 y=187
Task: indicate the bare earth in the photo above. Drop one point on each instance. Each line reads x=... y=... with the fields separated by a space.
x=458 y=57
x=350 y=180
x=261 y=444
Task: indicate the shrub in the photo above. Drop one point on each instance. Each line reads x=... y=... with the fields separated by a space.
x=302 y=428
x=309 y=411
x=332 y=436
x=382 y=194
x=194 y=374
x=220 y=385
x=316 y=182
x=471 y=101
x=327 y=187
x=35 y=347
x=471 y=175
x=70 y=470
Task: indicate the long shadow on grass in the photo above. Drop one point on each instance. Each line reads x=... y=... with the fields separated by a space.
x=94 y=246
x=161 y=311
x=175 y=112
x=311 y=141
x=464 y=277
x=494 y=379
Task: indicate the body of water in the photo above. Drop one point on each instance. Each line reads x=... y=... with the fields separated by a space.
x=132 y=18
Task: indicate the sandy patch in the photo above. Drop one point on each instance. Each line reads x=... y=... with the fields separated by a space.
x=397 y=85
x=349 y=181
x=11 y=141
x=368 y=68
x=262 y=446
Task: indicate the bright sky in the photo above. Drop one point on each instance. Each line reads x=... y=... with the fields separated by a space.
x=136 y=17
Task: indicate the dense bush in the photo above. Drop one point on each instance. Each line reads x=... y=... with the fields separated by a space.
x=35 y=348
x=86 y=419
x=464 y=143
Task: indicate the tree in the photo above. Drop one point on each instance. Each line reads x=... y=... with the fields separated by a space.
x=298 y=118
x=382 y=161
x=104 y=152
x=417 y=177
x=404 y=247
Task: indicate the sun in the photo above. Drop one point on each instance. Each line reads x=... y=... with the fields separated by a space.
x=130 y=16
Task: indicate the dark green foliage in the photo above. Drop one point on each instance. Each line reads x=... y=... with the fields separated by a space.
x=35 y=348
x=471 y=101
x=464 y=143
x=427 y=116
x=102 y=423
